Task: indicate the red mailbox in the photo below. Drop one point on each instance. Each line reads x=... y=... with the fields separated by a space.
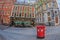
x=40 y=31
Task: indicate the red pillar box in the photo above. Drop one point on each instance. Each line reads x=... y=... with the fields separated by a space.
x=40 y=31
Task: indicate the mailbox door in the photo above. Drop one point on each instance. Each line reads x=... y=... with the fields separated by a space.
x=41 y=31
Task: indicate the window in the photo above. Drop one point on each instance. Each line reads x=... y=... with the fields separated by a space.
x=52 y=14
x=32 y=9
x=17 y=14
x=56 y=5
x=25 y=14
x=12 y=14
x=55 y=11
x=20 y=8
x=20 y=14
x=23 y=8
x=15 y=8
x=30 y=15
x=44 y=7
x=49 y=18
x=40 y=8
x=27 y=8
x=49 y=5
x=33 y=15
x=52 y=4
x=56 y=14
x=48 y=13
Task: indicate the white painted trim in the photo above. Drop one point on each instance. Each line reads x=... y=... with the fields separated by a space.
x=12 y=10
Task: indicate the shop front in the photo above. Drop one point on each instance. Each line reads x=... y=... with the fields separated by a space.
x=26 y=22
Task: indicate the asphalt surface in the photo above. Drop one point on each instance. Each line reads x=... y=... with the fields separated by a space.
x=2 y=27
x=2 y=38
x=11 y=33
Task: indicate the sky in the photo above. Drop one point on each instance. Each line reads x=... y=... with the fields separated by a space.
x=27 y=1
x=58 y=1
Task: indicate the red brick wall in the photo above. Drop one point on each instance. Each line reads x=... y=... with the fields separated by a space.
x=8 y=5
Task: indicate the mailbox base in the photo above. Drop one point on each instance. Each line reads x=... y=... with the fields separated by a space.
x=40 y=37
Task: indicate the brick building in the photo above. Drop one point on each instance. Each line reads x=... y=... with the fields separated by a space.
x=7 y=7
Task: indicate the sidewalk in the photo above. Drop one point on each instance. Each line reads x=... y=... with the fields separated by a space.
x=13 y=33
x=2 y=27
x=2 y=38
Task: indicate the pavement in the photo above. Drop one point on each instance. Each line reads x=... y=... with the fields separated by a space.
x=12 y=33
x=2 y=38
x=3 y=27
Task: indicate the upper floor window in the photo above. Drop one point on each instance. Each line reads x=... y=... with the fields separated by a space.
x=56 y=14
x=49 y=5
x=55 y=11
x=44 y=7
x=20 y=14
x=15 y=7
x=12 y=14
x=48 y=13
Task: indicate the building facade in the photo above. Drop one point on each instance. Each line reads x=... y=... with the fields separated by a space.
x=47 y=12
x=23 y=13
x=7 y=8
x=41 y=11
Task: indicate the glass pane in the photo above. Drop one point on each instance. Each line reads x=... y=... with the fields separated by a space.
x=49 y=18
x=56 y=19
x=48 y=13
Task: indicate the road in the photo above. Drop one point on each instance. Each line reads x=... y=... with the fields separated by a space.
x=52 y=33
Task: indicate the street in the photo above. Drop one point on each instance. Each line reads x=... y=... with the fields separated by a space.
x=12 y=33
